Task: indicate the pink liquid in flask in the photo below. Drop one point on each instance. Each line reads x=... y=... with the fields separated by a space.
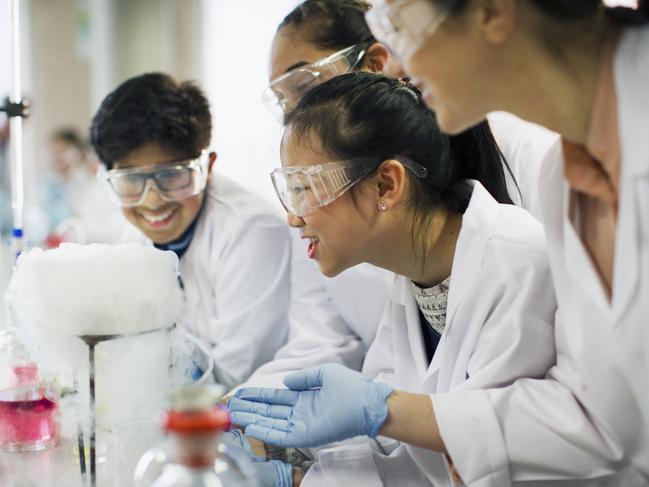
x=28 y=419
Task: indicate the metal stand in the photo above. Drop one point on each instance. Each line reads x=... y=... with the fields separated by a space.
x=92 y=341
x=16 y=110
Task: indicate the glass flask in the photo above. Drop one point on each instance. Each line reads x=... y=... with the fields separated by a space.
x=28 y=407
x=193 y=455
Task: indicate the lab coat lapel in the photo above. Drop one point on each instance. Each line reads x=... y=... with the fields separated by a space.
x=633 y=211
x=470 y=247
x=415 y=342
x=577 y=259
x=476 y=229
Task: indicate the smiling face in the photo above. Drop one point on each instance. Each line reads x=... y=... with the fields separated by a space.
x=340 y=234
x=454 y=71
x=162 y=221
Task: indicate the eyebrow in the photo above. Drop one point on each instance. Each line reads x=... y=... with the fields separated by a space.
x=296 y=65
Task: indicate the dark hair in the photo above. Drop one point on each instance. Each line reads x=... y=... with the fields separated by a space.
x=369 y=116
x=70 y=136
x=571 y=10
x=151 y=108
x=331 y=24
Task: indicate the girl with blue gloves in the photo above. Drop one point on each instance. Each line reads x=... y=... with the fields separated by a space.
x=368 y=177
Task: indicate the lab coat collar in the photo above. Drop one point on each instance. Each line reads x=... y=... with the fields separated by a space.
x=630 y=80
x=402 y=295
x=630 y=74
x=477 y=226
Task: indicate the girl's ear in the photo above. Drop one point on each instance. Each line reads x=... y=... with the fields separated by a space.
x=391 y=180
x=212 y=160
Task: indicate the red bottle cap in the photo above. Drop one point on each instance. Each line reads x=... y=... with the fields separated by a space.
x=217 y=418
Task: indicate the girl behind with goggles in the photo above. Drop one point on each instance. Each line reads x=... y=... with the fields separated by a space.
x=318 y=40
x=471 y=307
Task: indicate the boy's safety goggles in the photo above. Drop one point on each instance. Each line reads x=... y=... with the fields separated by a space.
x=303 y=189
x=404 y=25
x=285 y=91
x=173 y=181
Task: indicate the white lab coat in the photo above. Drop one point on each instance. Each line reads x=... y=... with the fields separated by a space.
x=524 y=146
x=236 y=280
x=499 y=327
x=608 y=342
x=335 y=319
x=331 y=319
x=592 y=414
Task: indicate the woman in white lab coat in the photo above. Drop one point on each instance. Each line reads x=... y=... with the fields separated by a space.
x=152 y=133
x=473 y=305
x=581 y=70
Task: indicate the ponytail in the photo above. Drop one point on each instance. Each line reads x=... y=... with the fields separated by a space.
x=477 y=156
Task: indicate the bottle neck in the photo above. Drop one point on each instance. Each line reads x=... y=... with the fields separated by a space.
x=197 y=449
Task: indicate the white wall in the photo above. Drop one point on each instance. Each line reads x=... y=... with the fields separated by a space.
x=236 y=46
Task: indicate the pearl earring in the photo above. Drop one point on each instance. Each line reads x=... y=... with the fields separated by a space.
x=382 y=206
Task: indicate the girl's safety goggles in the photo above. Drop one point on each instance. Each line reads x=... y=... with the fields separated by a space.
x=303 y=189
x=173 y=181
x=404 y=25
x=285 y=91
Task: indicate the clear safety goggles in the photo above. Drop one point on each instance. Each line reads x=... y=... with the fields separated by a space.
x=173 y=181
x=303 y=189
x=285 y=91
x=404 y=25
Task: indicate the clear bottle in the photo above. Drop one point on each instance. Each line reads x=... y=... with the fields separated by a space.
x=193 y=455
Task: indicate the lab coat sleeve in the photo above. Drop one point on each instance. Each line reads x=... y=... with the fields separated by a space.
x=531 y=430
x=360 y=464
x=251 y=293
x=318 y=333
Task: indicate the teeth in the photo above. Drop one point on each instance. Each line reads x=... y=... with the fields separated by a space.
x=158 y=218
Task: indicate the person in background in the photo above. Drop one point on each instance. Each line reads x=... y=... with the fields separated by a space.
x=66 y=151
x=581 y=69
x=152 y=135
x=75 y=200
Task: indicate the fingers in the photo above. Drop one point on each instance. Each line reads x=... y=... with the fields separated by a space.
x=260 y=408
x=304 y=379
x=272 y=396
x=246 y=419
x=269 y=435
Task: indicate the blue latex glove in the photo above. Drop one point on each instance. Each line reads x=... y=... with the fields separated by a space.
x=322 y=405
x=235 y=439
x=273 y=473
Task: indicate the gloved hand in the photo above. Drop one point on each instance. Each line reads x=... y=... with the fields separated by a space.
x=273 y=473
x=323 y=404
x=235 y=439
